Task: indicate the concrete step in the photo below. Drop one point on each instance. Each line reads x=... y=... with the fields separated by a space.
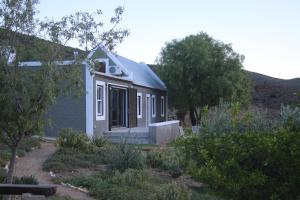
x=122 y=134
x=129 y=140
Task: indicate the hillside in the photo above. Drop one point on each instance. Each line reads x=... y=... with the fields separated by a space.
x=270 y=93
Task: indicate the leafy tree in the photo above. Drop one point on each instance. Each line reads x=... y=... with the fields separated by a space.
x=199 y=70
x=26 y=93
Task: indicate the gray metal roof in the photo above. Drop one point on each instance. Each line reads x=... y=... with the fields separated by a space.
x=141 y=74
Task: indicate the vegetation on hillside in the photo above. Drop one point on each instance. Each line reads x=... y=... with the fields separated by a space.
x=239 y=160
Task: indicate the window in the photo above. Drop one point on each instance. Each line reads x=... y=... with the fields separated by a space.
x=162 y=106
x=153 y=103
x=139 y=105
x=100 y=65
x=100 y=100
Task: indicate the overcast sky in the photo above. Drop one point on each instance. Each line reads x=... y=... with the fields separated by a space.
x=266 y=32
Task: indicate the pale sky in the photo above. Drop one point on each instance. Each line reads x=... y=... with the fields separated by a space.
x=266 y=32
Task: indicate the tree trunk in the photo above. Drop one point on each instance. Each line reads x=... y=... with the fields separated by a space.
x=193 y=117
x=10 y=173
x=181 y=115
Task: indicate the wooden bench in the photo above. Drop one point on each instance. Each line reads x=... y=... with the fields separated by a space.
x=19 y=189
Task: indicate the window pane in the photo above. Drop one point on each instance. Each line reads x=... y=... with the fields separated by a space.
x=139 y=105
x=100 y=92
x=98 y=107
x=101 y=107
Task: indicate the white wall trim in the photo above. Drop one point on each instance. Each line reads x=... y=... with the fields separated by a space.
x=139 y=116
x=100 y=117
x=153 y=106
x=89 y=111
x=162 y=106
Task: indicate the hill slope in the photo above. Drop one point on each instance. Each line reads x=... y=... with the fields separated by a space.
x=269 y=92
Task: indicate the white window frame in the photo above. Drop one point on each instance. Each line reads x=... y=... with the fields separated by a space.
x=162 y=106
x=153 y=106
x=139 y=111
x=100 y=116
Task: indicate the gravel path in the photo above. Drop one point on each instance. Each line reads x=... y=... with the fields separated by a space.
x=31 y=164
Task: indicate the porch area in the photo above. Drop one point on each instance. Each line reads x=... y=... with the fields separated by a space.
x=136 y=135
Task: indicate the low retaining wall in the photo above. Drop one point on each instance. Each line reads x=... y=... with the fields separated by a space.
x=163 y=132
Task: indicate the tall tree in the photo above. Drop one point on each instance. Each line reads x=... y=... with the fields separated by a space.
x=199 y=70
x=26 y=94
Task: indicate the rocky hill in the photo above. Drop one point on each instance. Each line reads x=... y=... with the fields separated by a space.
x=270 y=93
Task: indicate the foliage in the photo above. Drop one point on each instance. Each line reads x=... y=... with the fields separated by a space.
x=168 y=160
x=99 y=141
x=124 y=156
x=154 y=159
x=290 y=117
x=69 y=138
x=2 y=175
x=226 y=118
x=31 y=180
x=199 y=70
x=132 y=184
x=245 y=165
x=26 y=94
x=68 y=159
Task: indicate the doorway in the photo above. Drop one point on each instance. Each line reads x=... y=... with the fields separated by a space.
x=117 y=107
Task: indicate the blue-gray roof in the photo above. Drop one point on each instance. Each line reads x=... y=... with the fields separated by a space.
x=141 y=74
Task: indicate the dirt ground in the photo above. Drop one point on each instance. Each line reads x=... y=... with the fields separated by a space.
x=31 y=164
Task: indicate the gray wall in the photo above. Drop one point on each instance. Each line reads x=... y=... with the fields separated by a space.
x=67 y=112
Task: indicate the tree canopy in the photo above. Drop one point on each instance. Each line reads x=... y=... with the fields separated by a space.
x=199 y=70
x=27 y=93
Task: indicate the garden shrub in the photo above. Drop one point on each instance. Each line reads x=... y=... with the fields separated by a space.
x=290 y=117
x=2 y=175
x=66 y=159
x=228 y=117
x=28 y=143
x=69 y=138
x=168 y=160
x=131 y=184
x=124 y=156
x=99 y=141
x=30 y=180
x=245 y=165
x=154 y=159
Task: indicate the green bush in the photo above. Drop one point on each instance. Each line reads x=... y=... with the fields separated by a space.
x=226 y=118
x=168 y=160
x=131 y=184
x=245 y=165
x=124 y=156
x=28 y=143
x=99 y=141
x=67 y=159
x=290 y=117
x=30 y=180
x=154 y=159
x=69 y=138
x=2 y=175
